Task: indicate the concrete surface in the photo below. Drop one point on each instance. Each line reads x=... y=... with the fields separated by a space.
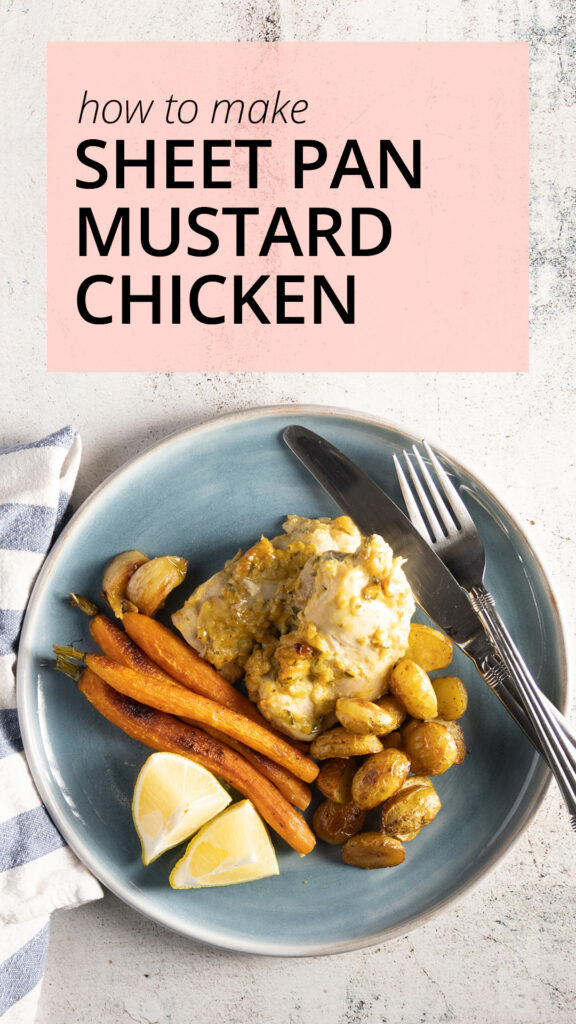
x=505 y=953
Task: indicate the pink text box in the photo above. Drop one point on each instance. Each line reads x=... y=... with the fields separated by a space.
x=450 y=291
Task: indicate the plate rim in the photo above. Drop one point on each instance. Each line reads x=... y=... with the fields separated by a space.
x=133 y=897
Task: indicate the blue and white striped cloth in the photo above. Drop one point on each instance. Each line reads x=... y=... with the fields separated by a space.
x=38 y=873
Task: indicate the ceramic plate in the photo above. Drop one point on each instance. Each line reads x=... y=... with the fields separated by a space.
x=204 y=493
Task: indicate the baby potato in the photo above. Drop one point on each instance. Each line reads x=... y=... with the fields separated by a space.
x=373 y=850
x=409 y=810
x=410 y=782
x=416 y=780
x=341 y=743
x=379 y=777
x=406 y=837
x=428 y=647
x=431 y=748
x=335 y=823
x=335 y=779
x=411 y=685
x=394 y=708
x=451 y=697
x=458 y=736
x=359 y=716
x=367 y=716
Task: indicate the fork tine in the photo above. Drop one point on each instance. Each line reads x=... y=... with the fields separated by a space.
x=435 y=493
x=461 y=513
x=434 y=525
x=409 y=500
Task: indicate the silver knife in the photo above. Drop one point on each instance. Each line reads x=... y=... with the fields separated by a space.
x=432 y=584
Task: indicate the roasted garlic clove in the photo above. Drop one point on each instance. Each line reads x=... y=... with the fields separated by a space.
x=150 y=585
x=117 y=574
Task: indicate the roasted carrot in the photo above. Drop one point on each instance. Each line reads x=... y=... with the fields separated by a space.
x=177 y=700
x=296 y=791
x=160 y=731
x=183 y=663
x=116 y=645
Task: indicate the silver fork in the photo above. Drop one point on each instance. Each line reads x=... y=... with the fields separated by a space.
x=450 y=530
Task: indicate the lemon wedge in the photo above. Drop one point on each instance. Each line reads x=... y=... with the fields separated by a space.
x=173 y=798
x=234 y=847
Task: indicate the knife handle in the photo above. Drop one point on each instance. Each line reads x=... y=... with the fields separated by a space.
x=556 y=741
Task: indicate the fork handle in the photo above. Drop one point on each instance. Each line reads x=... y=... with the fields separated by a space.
x=498 y=634
x=555 y=738
x=493 y=671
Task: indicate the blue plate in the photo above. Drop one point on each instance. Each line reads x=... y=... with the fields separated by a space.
x=204 y=493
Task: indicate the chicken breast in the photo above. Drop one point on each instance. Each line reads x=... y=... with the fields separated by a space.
x=310 y=616
x=352 y=621
x=249 y=601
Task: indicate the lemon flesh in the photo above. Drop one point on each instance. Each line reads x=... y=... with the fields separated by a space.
x=173 y=798
x=234 y=847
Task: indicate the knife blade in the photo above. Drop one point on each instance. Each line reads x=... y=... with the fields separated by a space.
x=433 y=585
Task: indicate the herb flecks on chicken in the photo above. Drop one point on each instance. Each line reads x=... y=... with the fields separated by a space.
x=312 y=615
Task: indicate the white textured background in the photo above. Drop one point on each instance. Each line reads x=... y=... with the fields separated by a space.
x=505 y=954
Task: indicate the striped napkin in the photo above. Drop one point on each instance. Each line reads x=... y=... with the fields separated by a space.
x=38 y=873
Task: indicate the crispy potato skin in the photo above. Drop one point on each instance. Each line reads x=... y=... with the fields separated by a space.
x=455 y=731
x=379 y=777
x=431 y=748
x=339 y=742
x=451 y=696
x=335 y=779
x=428 y=647
x=373 y=850
x=409 y=810
x=335 y=823
x=394 y=708
x=161 y=731
x=416 y=780
x=411 y=685
x=367 y=716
